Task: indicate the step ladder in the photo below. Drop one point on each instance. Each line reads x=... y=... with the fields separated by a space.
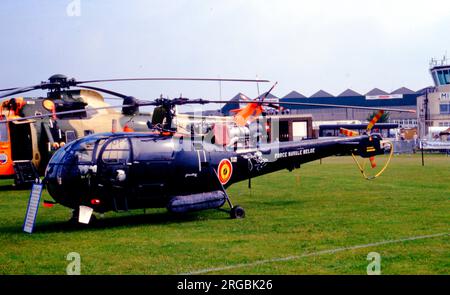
x=25 y=173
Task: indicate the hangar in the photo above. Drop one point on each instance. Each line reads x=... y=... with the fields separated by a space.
x=402 y=98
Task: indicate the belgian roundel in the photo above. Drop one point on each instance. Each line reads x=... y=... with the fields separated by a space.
x=225 y=171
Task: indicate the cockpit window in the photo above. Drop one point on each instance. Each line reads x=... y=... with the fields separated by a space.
x=79 y=152
x=84 y=151
x=117 y=152
x=100 y=144
x=3 y=132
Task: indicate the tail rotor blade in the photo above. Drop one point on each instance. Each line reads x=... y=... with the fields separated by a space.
x=374 y=120
x=372 y=162
x=348 y=132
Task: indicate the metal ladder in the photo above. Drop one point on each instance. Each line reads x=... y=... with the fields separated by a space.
x=25 y=172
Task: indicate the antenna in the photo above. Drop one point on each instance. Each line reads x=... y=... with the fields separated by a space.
x=257 y=86
x=220 y=91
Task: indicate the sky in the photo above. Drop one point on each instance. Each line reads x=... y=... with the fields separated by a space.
x=304 y=45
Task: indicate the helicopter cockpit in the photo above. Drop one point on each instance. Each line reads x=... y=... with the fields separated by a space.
x=102 y=160
x=68 y=171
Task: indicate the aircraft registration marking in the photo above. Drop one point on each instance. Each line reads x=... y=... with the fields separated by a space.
x=295 y=153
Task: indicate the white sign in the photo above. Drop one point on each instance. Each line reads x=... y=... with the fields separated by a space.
x=444 y=96
x=434 y=144
x=386 y=96
x=33 y=206
x=299 y=130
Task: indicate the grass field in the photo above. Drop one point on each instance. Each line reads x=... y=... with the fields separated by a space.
x=319 y=207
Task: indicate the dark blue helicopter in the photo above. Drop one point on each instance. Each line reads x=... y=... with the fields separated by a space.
x=122 y=171
x=181 y=172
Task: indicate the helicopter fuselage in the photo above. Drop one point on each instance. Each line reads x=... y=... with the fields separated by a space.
x=122 y=171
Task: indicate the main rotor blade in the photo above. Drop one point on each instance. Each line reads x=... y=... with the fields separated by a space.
x=21 y=90
x=346 y=107
x=63 y=113
x=172 y=79
x=8 y=89
x=315 y=104
x=117 y=94
x=205 y=101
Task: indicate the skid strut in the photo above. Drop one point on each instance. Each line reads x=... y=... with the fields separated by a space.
x=236 y=211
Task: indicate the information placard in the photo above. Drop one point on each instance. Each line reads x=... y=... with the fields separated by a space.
x=32 y=209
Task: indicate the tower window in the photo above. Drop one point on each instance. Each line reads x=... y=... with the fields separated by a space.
x=443 y=77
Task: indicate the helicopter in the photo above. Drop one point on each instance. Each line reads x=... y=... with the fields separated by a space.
x=121 y=171
x=27 y=145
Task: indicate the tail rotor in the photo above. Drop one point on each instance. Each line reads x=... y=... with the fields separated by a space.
x=371 y=147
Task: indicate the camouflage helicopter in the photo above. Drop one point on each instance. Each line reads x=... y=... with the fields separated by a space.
x=27 y=145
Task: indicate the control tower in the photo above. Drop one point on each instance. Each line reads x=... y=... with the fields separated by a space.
x=433 y=107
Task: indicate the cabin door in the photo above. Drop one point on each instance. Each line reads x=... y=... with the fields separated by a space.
x=21 y=141
x=114 y=172
x=152 y=170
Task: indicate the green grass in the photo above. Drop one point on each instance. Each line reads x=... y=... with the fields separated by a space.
x=318 y=207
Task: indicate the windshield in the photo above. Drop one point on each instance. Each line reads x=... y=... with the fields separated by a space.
x=79 y=152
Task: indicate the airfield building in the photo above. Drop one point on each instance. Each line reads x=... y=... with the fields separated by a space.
x=402 y=98
x=433 y=106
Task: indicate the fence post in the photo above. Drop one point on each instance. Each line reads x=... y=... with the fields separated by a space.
x=421 y=149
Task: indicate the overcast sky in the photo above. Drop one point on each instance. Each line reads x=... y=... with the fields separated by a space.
x=304 y=45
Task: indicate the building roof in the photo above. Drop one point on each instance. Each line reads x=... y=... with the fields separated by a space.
x=377 y=91
x=294 y=94
x=232 y=104
x=425 y=89
x=321 y=93
x=349 y=92
x=402 y=90
x=268 y=96
x=237 y=97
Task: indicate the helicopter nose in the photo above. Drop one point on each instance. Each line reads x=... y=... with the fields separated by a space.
x=66 y=181
x=63 y=184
